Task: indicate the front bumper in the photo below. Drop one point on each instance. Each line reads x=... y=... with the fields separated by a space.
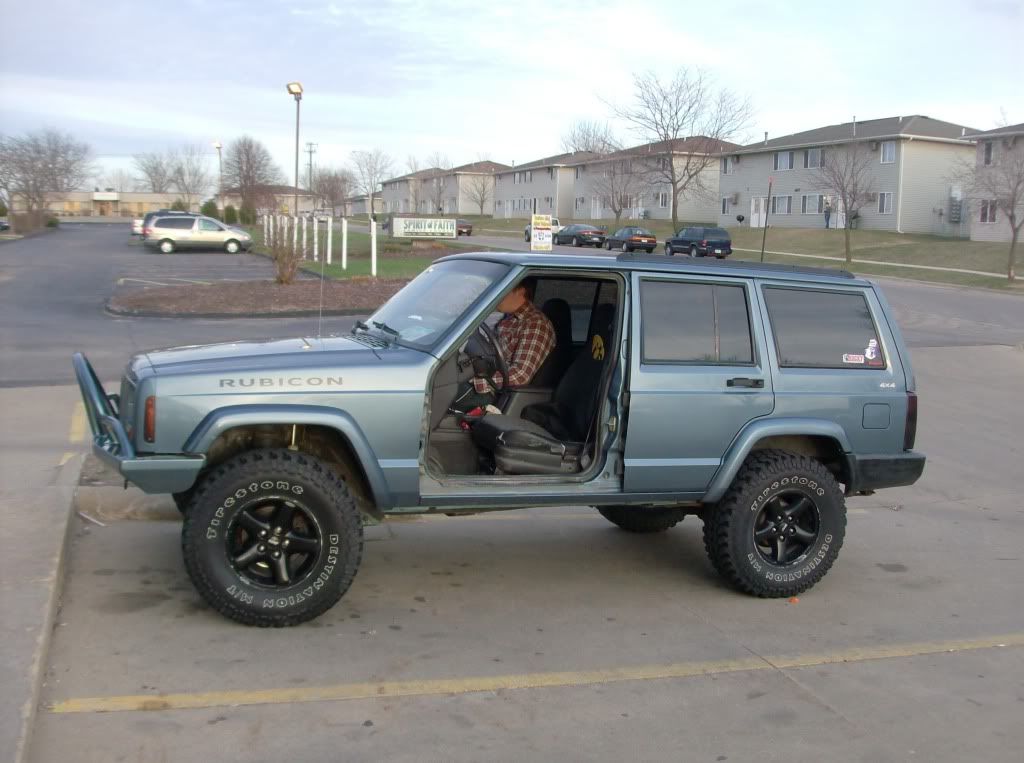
x=110 y=442
x=874 y=472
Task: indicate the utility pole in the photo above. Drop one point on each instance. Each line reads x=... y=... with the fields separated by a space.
x=311 y=149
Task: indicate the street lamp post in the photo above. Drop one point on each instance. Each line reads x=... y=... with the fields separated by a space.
x=220 y=171
x=295 y=88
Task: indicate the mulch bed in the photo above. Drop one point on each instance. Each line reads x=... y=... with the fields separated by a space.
x=353 y=295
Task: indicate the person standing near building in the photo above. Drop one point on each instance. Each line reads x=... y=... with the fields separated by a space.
x=828 y=213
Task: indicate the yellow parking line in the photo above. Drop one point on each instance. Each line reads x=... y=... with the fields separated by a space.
x=442 y=686
x=65 y=458
x=78 y=423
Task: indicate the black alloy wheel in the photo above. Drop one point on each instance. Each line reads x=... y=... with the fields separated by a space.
x=786 y=527
x=274 y=542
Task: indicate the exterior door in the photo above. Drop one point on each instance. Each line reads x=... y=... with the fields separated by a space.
x=698 y=373
x=595 y=208
x=758 y=211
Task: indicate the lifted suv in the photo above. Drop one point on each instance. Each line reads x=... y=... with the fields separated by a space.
x=753 y=396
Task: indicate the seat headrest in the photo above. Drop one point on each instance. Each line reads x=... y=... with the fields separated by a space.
x=560 y=314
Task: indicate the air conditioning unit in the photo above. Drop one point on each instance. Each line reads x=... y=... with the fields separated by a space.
x=735 y=198
x=736 y=159
x=874 y=145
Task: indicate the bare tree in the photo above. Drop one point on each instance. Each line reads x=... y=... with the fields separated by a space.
x=687 y=119
x=436 y=183
x=42 y=162
x=190 y=173
x=998 y=188
x=587 y=135
x=480 y=189
x=845 y=172
x=155 y=171
x=618 y=183
x=118 y=180
x=249 y=168
x=370 y=168
x=332 y=186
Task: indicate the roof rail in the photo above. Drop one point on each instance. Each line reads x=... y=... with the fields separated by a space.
x=679 y=263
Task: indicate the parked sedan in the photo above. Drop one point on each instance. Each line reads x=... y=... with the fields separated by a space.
x=463 y=228
x=580 y=235
x=698 y=241
x=4 y=225
x=629 y=238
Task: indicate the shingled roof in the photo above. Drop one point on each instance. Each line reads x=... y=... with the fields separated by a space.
x=919 y=127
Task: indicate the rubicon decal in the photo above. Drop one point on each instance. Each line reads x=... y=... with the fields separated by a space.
x=281 y=381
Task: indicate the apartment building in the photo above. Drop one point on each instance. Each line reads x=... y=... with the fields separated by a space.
x=999 y=161
x=544 y=186
x=464 y=190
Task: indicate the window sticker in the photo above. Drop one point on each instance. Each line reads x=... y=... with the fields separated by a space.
x=853 y=359
x=872 y=354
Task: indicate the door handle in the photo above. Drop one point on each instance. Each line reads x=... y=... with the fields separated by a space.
x=743 y=381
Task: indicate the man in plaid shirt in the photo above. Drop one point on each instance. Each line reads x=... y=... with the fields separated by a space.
x=526 y=337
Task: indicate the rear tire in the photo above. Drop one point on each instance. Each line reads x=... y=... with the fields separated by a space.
x=626 y=247
x=575 y=241
x=693 y=251
x=272 y=538
x=608 y=245
x=167 y=246
x=635 y=519
x=779 y=527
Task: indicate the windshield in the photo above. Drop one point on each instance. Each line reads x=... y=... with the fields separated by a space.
x=421 y=313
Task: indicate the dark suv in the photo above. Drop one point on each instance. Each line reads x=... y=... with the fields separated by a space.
x=754 y=397
x=700 y=242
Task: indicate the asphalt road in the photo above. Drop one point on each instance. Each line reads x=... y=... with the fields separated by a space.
x=536 y=634
x=53 y=288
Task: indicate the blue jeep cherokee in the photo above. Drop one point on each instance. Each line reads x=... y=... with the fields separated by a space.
x=754 y=397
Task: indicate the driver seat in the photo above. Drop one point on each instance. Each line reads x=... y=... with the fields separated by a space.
x=551 y=437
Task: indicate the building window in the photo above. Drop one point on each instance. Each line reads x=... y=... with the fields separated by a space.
x=783 y=160
x=663 y=199
x=812 y=158
x=885 y=203
x=988 y=153
x=988 y=211
x=888 y=151
x=782 y=205
x=528 y=176
x=812 y=204
x=727 y=166
x=725 y=205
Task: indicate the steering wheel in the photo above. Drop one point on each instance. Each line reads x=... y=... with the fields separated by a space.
x=491 y=339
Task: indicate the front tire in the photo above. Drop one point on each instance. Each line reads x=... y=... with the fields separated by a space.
x=669 y=251
x=779 y=527
x=693 y=251
x=272 y=538
x=625 y=247
x=232 y=247
x=639 y=520
x=575 y=241
x=608 y=245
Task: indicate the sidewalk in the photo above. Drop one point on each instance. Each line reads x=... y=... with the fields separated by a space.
x=882 y=263
x=40 y=458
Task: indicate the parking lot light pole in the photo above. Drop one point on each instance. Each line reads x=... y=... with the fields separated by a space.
x=295 y=88
x=220 y=171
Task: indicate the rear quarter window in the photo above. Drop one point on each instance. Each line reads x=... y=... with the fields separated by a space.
x=179 y=223
x=823 y=329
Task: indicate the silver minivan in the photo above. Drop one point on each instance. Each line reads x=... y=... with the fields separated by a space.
x=174 y=232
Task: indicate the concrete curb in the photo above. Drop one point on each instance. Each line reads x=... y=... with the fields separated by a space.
x=65 y=482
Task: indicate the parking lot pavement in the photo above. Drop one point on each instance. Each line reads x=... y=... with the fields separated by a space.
x=549 y=633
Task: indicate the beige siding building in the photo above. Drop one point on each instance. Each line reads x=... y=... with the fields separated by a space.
x=910 y=188
x=105 y=203
x=544 y=186
x=464 y=190
x=636 y=181
x=1001 y=151
x=273 y=199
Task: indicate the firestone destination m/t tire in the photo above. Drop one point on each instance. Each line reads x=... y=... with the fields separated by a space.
x=635 y=519
x=272 y=538
x=779 y=527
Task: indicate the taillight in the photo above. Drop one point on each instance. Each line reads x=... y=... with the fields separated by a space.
x=149 y=422
x=910 y=432
x=704 y=242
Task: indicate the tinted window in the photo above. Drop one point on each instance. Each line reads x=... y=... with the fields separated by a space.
x=821 y=329
x=641 y=232
x=694 y=323
x=209 y=225
x=715 y=233
x=182 y=223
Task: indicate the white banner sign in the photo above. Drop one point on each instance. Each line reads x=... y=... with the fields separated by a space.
x=422 y=227
x=540 y=233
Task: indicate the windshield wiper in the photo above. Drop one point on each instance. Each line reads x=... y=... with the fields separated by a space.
x=386 y=329
x=360 y=325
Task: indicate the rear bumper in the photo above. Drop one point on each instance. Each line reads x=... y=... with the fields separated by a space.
x=874 y=472
x=110 y=442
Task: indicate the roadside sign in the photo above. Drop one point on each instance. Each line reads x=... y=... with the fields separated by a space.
x=422 y=227
x=540 y=233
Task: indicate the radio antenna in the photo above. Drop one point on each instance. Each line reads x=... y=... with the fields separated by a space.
x=323 y=259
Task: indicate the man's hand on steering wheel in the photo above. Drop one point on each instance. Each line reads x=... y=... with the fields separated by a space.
x=499 y=362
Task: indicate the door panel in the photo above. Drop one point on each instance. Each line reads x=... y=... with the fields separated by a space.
x=684 y=413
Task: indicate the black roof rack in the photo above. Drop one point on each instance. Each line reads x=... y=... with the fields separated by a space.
x=684 y=263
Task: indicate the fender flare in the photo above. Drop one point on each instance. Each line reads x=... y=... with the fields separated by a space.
x=215 y=423
x=758 y=430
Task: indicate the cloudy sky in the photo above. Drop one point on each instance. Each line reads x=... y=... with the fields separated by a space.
x=470 y=79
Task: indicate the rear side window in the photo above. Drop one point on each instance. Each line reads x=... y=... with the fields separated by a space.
x=823 y=329
x=181 y=223
x=715 y=233
x=694 y=323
